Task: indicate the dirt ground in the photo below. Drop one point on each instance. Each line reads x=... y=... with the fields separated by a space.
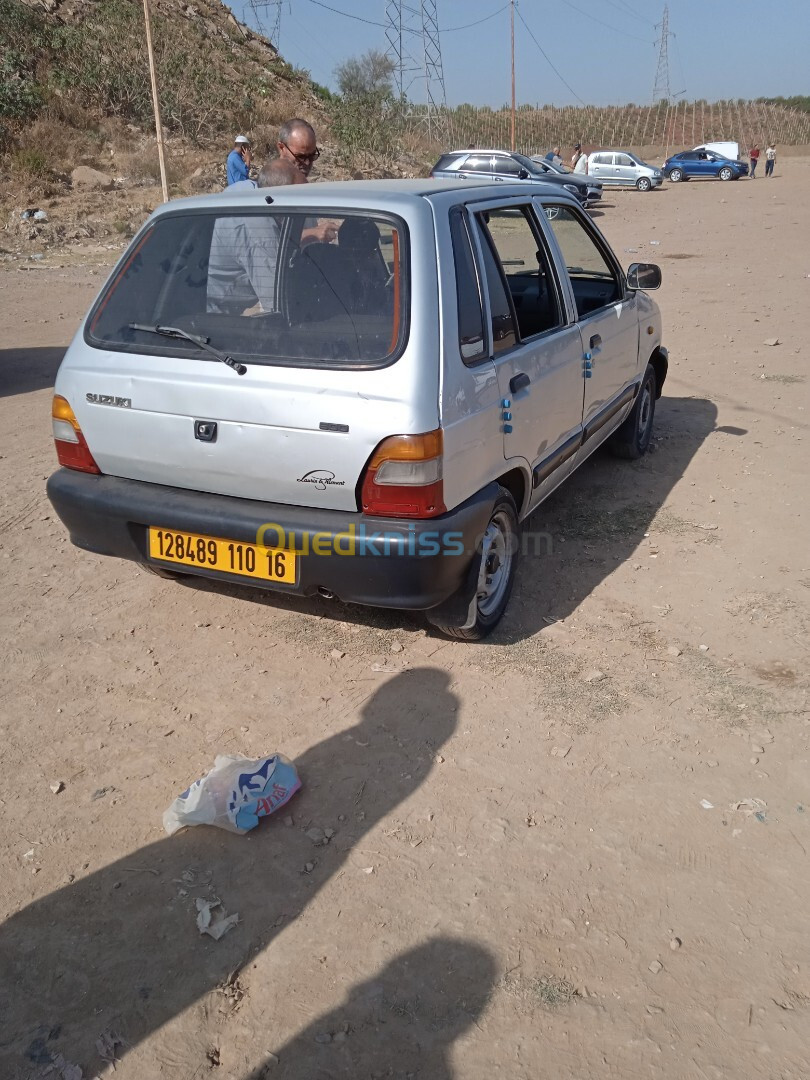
x=577 y=850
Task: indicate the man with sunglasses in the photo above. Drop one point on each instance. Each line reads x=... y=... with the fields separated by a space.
x=297 y=144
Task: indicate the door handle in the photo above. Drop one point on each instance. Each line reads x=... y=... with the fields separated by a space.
x=596 y=342
x=519 y=382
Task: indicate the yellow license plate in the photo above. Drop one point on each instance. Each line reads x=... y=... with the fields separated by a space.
x=227 y=556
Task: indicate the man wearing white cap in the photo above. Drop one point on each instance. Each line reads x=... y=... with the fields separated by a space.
x=238 y=165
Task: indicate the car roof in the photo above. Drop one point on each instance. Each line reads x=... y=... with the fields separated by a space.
x=369 y=195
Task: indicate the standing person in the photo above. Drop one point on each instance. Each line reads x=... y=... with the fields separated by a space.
x=244 y=252
x=239 y=159
x=753 y=155
x=577 y=154
x=297 y=144
x=770 y=159
x=581 y=163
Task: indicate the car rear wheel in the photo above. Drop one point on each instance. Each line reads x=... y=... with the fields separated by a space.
x=632 y=440
x=675 y=175
x=644 y=183
x=499 y=547
x=726 y=173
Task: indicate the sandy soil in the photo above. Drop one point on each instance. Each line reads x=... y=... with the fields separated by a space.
x=523 y=881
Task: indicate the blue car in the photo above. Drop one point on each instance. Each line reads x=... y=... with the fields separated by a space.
x=702 y=164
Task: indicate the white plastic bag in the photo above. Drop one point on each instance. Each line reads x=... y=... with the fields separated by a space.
x=235 y=794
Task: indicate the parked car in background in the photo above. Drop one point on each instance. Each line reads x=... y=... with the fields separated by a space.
x=368 y=420
x=594 y=186
x=620 y=168
x=702 y=164
x=502 y=166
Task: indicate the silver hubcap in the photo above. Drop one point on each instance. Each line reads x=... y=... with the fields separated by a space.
x=496 y=563
x=644 y=410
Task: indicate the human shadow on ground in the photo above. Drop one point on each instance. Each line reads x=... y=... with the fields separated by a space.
x=593 y=522
x=119 y=949
x=24 y=370
x=403 y=1022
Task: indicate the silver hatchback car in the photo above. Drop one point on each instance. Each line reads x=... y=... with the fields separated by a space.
x=619 y=168
x=369 y=418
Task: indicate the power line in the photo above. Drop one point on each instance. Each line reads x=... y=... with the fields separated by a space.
x=548 y=61
x=452 y=29
x=632 y=11
x=347 y=14
x=588 y=15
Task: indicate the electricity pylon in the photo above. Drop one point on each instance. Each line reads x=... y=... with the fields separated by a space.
x=414 y=47
x=662 y=90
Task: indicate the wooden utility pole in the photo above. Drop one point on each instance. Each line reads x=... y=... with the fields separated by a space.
x=155 y=101
x=512 y=19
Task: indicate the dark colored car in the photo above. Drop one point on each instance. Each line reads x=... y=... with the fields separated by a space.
x=503 y=165
x=702 y=165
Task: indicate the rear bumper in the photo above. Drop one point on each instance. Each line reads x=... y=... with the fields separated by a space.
x=392 y=563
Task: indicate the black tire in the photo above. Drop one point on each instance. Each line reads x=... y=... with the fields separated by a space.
x=675 y=175
x=501 y=547
x=726 y=173
x=633 y=438
x=644 y=183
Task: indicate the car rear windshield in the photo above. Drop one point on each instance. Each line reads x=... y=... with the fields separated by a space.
x=264 y=286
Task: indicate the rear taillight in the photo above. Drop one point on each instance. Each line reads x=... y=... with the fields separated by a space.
x=71 y=449
x=403 y=477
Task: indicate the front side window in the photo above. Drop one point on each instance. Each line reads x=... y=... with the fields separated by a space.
x=594 y=278
x=526 y=268
x=623 y=159
x=262 y=286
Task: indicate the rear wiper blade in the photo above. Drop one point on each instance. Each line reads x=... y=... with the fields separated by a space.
x=200 y=342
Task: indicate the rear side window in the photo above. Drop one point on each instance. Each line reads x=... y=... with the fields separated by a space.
x=526 y=269
x=503 y=323
x=264 y=286
x=603 y=159
x=477 y=163
x=471 y=337
x=446 y=161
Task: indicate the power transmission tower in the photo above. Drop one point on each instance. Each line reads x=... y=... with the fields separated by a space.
x=414 y=47
x=662 y=90
x=262 y=7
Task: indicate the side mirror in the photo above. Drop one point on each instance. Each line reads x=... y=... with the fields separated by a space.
x=523 y=174
x=643 y=276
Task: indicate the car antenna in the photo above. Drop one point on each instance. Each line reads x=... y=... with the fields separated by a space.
x=268 y=199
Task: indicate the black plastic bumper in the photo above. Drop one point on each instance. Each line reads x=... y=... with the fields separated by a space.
x=396 y=564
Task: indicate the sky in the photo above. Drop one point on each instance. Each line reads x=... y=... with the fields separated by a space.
x=604 y=51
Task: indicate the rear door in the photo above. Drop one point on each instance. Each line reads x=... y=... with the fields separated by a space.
x=536 y=350
x=319 y=328
x=601 y=166
x=607 y=317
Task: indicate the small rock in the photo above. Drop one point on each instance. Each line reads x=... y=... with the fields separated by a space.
x=772 y=341
x=656 y=966
x=703 y=648
x=328 y=833
x=560 y=751
x=396 y=647
x=595 y=675
x=673 y=650
x=288 y=821
x=439 y=759
x=754 y=760
x=341 y=817
x=711 y=763
x=323 y=1038
x=755 y=749
x=675 y=943
x=272 y=1059
x=309 y=867
x=57 y=786
x=368 y=869
x=706 y=804
x=315 y=834
x=84 y=178
x=339 y=1037
x=337 y=654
